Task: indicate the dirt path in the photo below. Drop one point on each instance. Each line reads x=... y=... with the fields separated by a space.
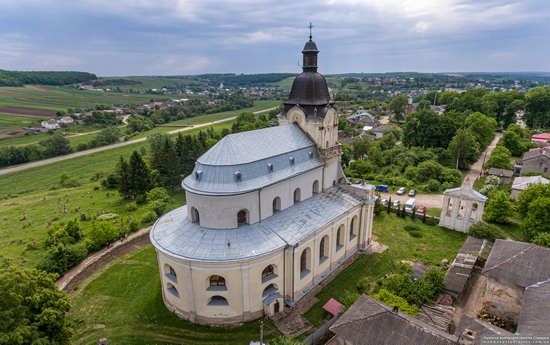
x=99 y=259
x=428 y=200
x=110 y=147
x=476 y=168
x=470 y=302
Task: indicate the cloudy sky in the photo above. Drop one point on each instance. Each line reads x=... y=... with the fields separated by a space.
x=167 y=37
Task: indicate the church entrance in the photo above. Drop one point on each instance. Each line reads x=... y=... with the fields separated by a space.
x=276 y=307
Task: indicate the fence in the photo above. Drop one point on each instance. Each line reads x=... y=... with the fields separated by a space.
x=321 y=331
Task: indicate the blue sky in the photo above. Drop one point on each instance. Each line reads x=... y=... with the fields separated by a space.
x=168 y=37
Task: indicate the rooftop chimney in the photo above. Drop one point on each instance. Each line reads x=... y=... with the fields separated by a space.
x=468 y=337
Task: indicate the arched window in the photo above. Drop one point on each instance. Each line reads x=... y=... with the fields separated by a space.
x=268 y=273
x=172 y=290
x=271 y=288
x=297 y=195
x=242 y=217
x=195 y=218
x=323 y=249
x=327 y=144
x=305 y=262
x=218 y=301
x=340 y=237
x=353 y=228
x=334 y=182
x=316 y=187
x=217 y=281
x=170 y=273
x=276 y=204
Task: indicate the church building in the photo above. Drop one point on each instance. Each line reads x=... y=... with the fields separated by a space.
x=269 y=214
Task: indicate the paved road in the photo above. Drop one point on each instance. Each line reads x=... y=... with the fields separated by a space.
x=110 y=147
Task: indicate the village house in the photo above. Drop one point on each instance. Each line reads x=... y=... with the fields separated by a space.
x=380 y=131
x=535 y=161
x=521 y=183
x=363 y=117
x=50 y=124
x=65 y=120
x=504 y=175
x=513 y=268
x=541 y=139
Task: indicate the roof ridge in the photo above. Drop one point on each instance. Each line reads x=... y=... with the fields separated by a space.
x=512 y=257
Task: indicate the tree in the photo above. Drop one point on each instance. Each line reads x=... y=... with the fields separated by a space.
x=542 y=239
x=157 y=200
x=513 y=142
x=427 y=129
x=537 y=104
x=537 y=218
x=139 y=176
x=464 y=148
x=162 y=159
x=33 y=309
x=529 y=195
x=56 y=145
x=484 y=230
x=393 y=300
x=107 y=136
x=398 y=106
x=499 y=208
x=499 y=158
x=482 y=127
x=121 y=172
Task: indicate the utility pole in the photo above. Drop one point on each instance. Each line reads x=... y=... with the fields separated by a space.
x=261 y=333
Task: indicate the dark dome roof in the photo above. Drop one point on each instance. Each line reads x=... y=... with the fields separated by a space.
x=309 y=88
x=310 y=47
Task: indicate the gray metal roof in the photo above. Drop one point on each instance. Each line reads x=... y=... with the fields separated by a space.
x=534 y=318
x=177 y=236
x=522 y=182
x=482 y=328
x=289 y=151
x=370 y=322
x=518 y=263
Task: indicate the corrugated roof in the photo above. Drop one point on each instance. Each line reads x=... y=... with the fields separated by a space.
x=370 y=322
x=519 y=263
x=534 y=318
x=176 y=235
x=286 y=148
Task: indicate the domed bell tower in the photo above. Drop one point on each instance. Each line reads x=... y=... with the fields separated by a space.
x=310 y=107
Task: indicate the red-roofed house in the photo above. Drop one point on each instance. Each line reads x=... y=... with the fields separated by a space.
x=541 y=139
x=333 y=306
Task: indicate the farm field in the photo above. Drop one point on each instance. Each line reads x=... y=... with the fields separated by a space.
x=17 y=121
x=123 y=303
x=149 y=82
x=436 y=243
x=54 y=98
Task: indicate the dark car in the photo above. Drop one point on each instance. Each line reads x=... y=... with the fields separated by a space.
x=412 y=192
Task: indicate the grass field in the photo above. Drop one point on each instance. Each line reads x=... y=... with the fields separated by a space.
x=31 y=200
x=436 y=244
x=17 y=121
x=63 y=97
x=124 y=304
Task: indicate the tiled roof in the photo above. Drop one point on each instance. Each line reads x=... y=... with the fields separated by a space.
x=286 y=148
x=519 y=263
x=500 y=172
x=176 y=235
x=370 y=322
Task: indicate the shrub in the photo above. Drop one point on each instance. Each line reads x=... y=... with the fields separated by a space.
x=131 y=207
x=411 y=227
x=418 y=292
x=432 y=186
x=484 y=230
x=62 y=258
x=349 y=297
x=416 y=233
x=542 y=239
x=393 y=300
x=499 y=208
x=364 y=285
x=148 y=217
x=100 y=234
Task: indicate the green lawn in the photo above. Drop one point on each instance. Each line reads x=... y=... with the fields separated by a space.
x=436 y=244
x=15 y=121
x=124 y=304
x=63 y=97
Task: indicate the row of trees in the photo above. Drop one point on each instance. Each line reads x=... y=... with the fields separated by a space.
x=55 y=145
x=20 y=78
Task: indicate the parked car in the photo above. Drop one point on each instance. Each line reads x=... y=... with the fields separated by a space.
x=401 y=191
x=410 y=205
x=382 y=188
x=384 y=202
x=412 y=192
x=396 y=203
x=421 y=210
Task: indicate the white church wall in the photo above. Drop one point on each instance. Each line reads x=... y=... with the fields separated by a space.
x=220 y=212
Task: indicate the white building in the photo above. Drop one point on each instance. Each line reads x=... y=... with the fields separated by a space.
x=50 y=124
x=267 y=217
